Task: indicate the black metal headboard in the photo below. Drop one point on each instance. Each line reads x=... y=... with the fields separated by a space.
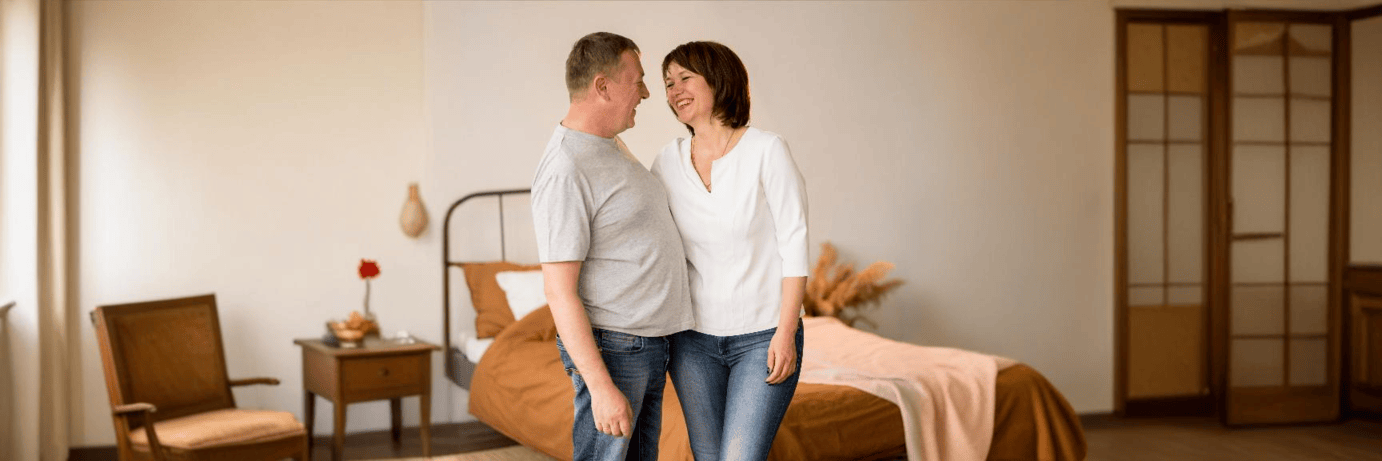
x=458 y=368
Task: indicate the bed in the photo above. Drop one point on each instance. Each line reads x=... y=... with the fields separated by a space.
x=518 y=386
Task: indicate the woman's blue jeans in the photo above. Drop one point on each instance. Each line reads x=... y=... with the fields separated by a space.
x=732 y=413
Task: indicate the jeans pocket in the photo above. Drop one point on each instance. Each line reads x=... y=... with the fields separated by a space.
x=613 y=342
x=566 y=361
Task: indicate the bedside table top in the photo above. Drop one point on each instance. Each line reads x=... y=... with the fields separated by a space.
x=370 y=346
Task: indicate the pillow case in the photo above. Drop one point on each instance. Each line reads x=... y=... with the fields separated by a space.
x=523 y=290
x=492 y=312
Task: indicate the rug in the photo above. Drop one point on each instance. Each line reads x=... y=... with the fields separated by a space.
x=514 y=453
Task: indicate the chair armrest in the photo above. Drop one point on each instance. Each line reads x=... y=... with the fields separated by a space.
x=134 y=408
x=249 y=381
x=142 y=410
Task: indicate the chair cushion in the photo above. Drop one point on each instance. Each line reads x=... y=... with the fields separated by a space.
x=230 y=426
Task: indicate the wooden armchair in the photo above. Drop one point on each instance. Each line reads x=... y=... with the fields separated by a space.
x=170 y=397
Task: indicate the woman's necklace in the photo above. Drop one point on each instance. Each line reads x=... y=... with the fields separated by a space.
x=705 y=179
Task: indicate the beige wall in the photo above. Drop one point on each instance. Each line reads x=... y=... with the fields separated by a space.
x=970 y=143
x=1366 y=232
x=259 y=149
x=256 y=150
x=18 y=228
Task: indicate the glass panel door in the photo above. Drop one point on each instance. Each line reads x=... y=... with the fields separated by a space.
x=1164 y=157
x=1281 y=366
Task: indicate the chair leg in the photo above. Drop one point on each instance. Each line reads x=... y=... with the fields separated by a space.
x=306 y=454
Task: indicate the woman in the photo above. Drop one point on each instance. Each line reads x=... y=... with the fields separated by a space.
x=740 y=205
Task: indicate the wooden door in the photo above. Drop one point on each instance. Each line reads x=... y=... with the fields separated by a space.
x=1164 y=139
x=1282 y=318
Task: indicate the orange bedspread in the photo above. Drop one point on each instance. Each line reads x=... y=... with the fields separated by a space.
x=521 y=390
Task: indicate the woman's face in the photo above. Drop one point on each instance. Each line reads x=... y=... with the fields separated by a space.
x=691 y=98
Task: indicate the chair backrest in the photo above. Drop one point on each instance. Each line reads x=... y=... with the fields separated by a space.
x=167 y=353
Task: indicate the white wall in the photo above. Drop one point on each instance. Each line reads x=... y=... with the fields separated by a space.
x=970 y=143
x=18 y=225
x=259 y=149
x=256 y=150
x=1366 y=233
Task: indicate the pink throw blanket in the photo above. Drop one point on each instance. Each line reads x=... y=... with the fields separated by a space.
x=946 y=395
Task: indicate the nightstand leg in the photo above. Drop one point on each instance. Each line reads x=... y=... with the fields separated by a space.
x=396 y=421
x=309 y=415
x=425 y=416
x=338 y=438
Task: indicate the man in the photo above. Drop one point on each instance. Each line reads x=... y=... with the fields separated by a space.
x=612 y=258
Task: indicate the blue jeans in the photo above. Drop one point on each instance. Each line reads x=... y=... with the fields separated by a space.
x=638 y=366
x=732 y=413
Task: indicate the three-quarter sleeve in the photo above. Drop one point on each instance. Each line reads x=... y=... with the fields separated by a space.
x=785 y=191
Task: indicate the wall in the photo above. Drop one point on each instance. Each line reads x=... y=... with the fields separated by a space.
x=256 y=150
x=18 y=226
x=1366 y=233
x=970 y=143
x=259 y=149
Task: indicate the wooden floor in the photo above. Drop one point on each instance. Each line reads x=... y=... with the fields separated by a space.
x=1159 y=439
x=446 y=439
x=1110 y=439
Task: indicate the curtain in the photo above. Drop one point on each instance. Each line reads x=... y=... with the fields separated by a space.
x=43 y=337
x=59 y=338
x=6 y=375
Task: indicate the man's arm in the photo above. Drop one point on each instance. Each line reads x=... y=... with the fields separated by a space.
x=610 y=407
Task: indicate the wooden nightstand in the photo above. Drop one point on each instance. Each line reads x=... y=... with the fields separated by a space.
x=380 y=369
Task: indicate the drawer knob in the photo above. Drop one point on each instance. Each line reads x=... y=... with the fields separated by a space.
x=383 y=372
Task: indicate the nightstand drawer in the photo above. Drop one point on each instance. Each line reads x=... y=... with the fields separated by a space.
x=379 y=377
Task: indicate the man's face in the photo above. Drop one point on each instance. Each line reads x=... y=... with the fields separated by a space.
x=626 y=88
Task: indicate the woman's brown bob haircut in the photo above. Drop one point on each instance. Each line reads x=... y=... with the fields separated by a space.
x=725 y=74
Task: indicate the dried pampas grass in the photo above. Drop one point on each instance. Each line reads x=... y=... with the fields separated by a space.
x=838 y=291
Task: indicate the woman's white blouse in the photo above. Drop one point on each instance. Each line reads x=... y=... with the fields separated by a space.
x=744 y=235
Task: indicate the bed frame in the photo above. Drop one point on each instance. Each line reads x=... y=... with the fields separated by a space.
x=458 y=368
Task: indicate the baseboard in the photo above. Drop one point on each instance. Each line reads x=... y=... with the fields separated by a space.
x=99 y=453
x=1095 y=419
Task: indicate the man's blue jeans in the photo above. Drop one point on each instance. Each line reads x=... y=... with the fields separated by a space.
x=732 y=413
x=638 y=366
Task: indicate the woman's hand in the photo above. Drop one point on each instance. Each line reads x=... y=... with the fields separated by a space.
x=782 y=356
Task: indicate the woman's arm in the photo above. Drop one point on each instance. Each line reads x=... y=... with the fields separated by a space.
x=782 y=351
x=785 y=191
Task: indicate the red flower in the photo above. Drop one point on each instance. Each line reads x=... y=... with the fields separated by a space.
x=368 y=269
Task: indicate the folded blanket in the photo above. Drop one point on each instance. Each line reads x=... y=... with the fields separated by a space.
x=946 y=395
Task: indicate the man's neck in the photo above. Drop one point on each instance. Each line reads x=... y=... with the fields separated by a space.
x=586 y=120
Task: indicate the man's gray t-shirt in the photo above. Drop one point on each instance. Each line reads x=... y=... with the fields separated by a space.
x=594 y=202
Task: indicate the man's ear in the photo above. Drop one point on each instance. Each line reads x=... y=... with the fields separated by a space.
x=600 y=86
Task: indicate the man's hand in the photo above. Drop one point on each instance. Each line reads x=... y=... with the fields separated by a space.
x=608 y=405
x=611 y=410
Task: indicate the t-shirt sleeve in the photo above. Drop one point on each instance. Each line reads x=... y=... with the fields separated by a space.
x=785 y=190
x=561 y=216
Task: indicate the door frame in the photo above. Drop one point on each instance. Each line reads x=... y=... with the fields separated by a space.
x=1217 y=194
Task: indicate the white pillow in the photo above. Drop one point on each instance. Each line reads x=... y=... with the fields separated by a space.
x=523 y=289
x=475 y=348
